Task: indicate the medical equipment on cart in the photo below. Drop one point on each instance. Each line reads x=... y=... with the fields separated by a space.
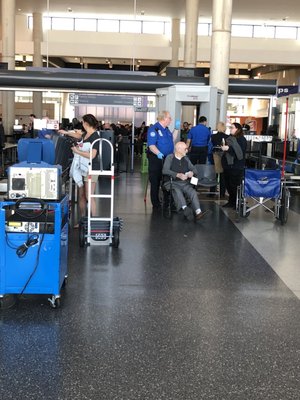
x=34 y=247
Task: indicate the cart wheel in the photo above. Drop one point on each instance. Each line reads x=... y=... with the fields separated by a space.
x=116 y=237
x=284 y=206
x=57 y=303
x=81 y=235
x=54 y=301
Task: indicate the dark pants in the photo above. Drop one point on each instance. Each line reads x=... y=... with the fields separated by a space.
x=233 y=178
x=155 y=175
x=198 y=154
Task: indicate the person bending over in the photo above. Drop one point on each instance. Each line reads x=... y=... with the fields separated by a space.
x=179 y=167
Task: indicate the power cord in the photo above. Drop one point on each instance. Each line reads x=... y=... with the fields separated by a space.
x=31 y=241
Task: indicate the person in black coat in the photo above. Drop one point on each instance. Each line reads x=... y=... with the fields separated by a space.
x=233 y=161
x=218 y=139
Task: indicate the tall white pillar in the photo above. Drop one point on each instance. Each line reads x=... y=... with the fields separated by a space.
x=175 y=42
x=220 y=49
x=8 y=8
x=191 y=33
x=37 y=32
x=190 y=49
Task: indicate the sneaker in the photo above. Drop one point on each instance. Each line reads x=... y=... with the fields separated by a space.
x=188 y=213
x=200 y=215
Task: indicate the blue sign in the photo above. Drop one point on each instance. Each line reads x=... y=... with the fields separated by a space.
x=284 y=91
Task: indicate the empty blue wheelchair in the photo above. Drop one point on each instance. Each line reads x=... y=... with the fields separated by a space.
x=262 y=186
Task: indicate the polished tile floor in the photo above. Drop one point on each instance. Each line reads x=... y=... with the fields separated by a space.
x=181 y=311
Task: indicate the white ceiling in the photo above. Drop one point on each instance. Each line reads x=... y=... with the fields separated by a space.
x=269 y=11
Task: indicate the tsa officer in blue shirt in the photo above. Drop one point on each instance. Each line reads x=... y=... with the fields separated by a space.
x=160 y=144
x=197 y=140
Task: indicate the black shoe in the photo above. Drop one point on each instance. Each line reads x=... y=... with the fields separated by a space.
x=200 y=215
x=228 y=205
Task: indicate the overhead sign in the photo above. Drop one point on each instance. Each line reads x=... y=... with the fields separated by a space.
x=286 y=90
x=144 y=109
x=76 y=99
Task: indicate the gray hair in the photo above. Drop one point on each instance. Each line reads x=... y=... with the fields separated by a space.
x=162 y=115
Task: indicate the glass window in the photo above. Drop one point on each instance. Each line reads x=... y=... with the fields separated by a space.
x=203 y=29
x=182 y=28
x=263 y=31
x=85 y=24
x=30 y=22
x=285 y=32
x=242 y=30
x=131 y=26
x=108 y=25
x=47 y=24
x=63 y=24
x=153 y=27
x=167 y=29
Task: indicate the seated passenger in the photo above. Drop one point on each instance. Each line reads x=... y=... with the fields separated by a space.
x=179 y=167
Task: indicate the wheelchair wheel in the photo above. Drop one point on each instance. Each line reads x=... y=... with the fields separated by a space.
x=284 y=206
x=167 y=204
x=244 y=214
x=240 y=203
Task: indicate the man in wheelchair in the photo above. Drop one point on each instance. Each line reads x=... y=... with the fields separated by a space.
x=179 y=170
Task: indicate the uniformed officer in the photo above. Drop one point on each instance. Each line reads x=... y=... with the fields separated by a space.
x=198 y=139
x=160 y=144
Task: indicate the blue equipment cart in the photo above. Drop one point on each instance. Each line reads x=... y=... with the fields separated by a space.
x=262 y=186
x=34 y=247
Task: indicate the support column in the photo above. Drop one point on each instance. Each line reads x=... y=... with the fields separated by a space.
x=190 y=49
x=8 y=8
x=191 y=33
x=175 y=42
x=37 y=32
x=220 y=49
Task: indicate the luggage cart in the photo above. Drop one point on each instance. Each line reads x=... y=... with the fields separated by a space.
x=262 y=186
x=100 y=230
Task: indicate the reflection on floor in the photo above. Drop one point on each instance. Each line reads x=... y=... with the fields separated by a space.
x=181 y=310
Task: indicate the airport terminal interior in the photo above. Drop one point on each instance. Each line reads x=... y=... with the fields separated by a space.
x=144 y=303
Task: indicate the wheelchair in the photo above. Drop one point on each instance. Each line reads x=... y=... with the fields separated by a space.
x=167 y=199
x=262 y=186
